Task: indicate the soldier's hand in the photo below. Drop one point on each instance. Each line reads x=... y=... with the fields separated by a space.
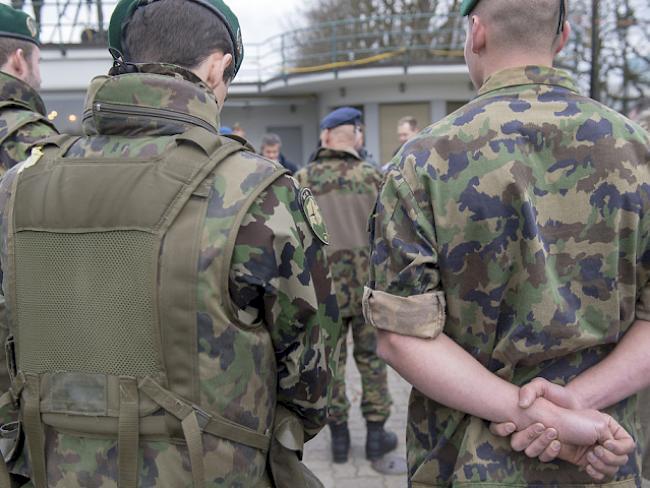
x=542 y=388
x=536 y=441
x=600 y=462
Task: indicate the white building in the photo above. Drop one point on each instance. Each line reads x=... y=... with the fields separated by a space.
x=291 y=102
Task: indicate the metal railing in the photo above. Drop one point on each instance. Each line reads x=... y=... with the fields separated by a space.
x=396 y=40
x=422 y=38
x=372 y=40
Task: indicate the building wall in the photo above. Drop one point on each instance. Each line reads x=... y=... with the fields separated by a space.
x=389 y=116
x=292 y=106
x=372 y=96
x=258 y=119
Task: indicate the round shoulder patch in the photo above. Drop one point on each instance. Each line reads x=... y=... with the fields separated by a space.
x=313 y=215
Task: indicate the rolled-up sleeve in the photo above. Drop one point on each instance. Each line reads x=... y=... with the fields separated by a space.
x=418 y=315
x=404 y=294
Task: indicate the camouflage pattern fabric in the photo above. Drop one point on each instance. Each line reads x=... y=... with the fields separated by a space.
x=375 y=400
x=25 y=103
x=643 y=119
x=345 y=188
x=280 y=286
x=644 y=416
x=530 y=209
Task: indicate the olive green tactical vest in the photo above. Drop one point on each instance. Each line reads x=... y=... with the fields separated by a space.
x=103 y=296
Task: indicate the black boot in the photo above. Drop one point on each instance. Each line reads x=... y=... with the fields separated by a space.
x=379 y=441
x=340 y=442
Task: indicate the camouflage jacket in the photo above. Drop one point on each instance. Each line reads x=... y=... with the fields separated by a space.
x=526 y=212
x=345 y=188
x=279 y=278
x=22 y=121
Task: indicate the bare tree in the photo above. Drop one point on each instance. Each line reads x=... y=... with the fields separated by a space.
x=431 y=31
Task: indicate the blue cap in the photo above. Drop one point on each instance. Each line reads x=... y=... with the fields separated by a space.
x=225 y=130
x=341 y=116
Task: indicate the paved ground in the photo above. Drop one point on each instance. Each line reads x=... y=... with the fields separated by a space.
x=358 y=473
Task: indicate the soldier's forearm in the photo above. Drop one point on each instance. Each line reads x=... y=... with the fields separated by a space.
x=446 y=373
x=624 y=372
x=449 y=375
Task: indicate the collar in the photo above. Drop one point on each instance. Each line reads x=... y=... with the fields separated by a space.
x=157 y=100
x=528 y=75
x=327 y=153
x=20 y=94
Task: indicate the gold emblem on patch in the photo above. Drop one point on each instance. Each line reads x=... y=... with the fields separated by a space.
x=313 y=215
x=240 y=44
x=31 y=26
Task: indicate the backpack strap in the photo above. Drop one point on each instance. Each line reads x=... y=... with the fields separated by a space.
x=179 y=275
x=195 y=421
x=178 y=306
x=128 y=434
x=34 y=430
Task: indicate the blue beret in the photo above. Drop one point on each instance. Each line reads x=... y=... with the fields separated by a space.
x=225 y=130
x=341 y=116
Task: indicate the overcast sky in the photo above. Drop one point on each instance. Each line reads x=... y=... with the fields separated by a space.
x=261 y=19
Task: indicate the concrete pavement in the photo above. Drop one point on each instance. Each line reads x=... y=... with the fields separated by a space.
x=357 y=472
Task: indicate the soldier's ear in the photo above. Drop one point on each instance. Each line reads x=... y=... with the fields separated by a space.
x=18 y=64
x=217 y=64
x=564 y=37
x=478 y=34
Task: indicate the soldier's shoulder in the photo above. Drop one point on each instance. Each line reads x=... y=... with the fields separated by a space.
x=370 y=168
x=304 y=171
x=18 y=113
x=255 y=162
x=256 y=173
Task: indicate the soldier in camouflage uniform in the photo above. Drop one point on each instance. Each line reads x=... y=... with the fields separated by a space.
x=346 y=188
x=253 y=306
x=22 y=112
x=641 y=115
x=512 y=241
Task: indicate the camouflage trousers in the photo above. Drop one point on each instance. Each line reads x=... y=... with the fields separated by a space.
x=375 y=400
x=644 y=416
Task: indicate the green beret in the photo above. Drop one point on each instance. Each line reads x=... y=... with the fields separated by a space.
x=17 y=24
x=125 y=8
x=467 y=6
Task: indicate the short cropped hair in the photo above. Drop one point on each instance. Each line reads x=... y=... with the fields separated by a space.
x=527 y=24
x=411 y=121
x=271 y=140
x=9 y=45
x=176 y=32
